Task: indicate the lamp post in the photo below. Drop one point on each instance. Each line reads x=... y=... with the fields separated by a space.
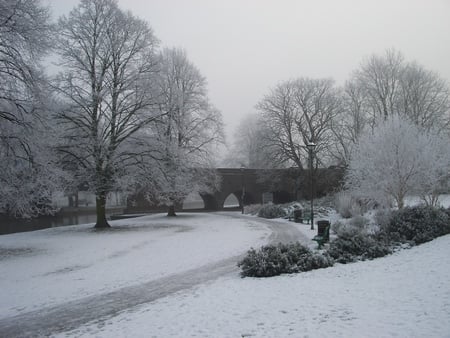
x=311 y=146
x=243 y=188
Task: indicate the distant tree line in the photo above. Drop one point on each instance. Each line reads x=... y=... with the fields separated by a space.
x=389 y=126
x=121 y=113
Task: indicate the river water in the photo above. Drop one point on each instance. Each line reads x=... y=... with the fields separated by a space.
x=11 y=225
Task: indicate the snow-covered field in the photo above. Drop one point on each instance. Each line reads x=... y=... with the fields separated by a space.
x=49 y=267
x=403 y=295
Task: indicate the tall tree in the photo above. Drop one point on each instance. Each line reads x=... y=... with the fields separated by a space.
x=385 y=86
x=106 y=85
x=392 y=86
x=379 y=76
x=424 y=98
x=27 y=169
x=187 y=134
x=297 y=112
x=351 y=124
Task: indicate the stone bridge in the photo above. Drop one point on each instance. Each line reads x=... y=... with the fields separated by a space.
x=257 y=186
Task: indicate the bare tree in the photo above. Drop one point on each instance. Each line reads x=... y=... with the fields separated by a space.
x=351 y=124
x=386 y=86
x=379 y=77
x=393 y=86
x=106 y=86
x=187 y=134
x=424 y=98
x=297 y=112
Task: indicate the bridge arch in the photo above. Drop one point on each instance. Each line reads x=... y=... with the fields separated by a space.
x=193 y=201
x=281 y=185
x=232 y=201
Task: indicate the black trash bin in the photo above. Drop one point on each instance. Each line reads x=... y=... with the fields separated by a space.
x=298 y=216
x=322 y=229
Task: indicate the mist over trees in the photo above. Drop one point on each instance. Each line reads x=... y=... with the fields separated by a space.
x=123 y=114
x=185 y=136
x=300 y=110
x=388 y=126
x=249 y=145
x=117 y=107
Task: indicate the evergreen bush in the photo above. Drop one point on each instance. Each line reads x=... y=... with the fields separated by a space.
x=273 y=260
x=353 y=244
x=418 y=224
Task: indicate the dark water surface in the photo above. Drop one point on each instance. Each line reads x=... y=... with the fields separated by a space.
x=12 y=225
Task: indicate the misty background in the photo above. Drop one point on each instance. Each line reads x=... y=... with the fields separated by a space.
x=243 y=48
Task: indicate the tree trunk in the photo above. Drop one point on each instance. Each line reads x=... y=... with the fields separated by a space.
x=171 y=211
x=100 y=203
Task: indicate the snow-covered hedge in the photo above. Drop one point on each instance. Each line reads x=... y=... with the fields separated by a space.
x=271 y=211
x=355 y=243
x=273 y=260
x=418 y=224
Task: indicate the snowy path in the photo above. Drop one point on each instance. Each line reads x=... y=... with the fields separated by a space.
x=72 y=314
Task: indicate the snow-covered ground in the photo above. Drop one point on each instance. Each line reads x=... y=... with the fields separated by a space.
x=403 y=295
x=49 y=267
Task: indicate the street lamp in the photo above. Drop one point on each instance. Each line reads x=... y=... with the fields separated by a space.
x=311 y=147
x=243 y=188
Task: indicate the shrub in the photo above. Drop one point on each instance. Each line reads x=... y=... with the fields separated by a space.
x=356 y=225
x=347 y=206
x=383 y=217
x=355 y=244
x=418 y=224
x=271 y=211
x=273 y=260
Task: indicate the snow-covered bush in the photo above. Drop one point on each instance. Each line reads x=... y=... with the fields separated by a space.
x=418 y=224
x=290 y=207
x=273 y=260
x=355 y=243
x=271 y=211
x=383 y=217
x=347 y=206
x=355 y=225
x=360 y=222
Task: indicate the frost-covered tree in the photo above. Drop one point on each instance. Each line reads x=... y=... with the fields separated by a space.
x=106 y=86
x=25 y=30
x=396 y=160
x=186 y=135
x=384 y=86
x=249 y=148
x=296 y=112
x=28 y=172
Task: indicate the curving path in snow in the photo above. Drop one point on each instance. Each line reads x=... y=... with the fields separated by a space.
x=72 y=314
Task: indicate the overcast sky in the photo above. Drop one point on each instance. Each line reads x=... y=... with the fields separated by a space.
x=245 y=47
